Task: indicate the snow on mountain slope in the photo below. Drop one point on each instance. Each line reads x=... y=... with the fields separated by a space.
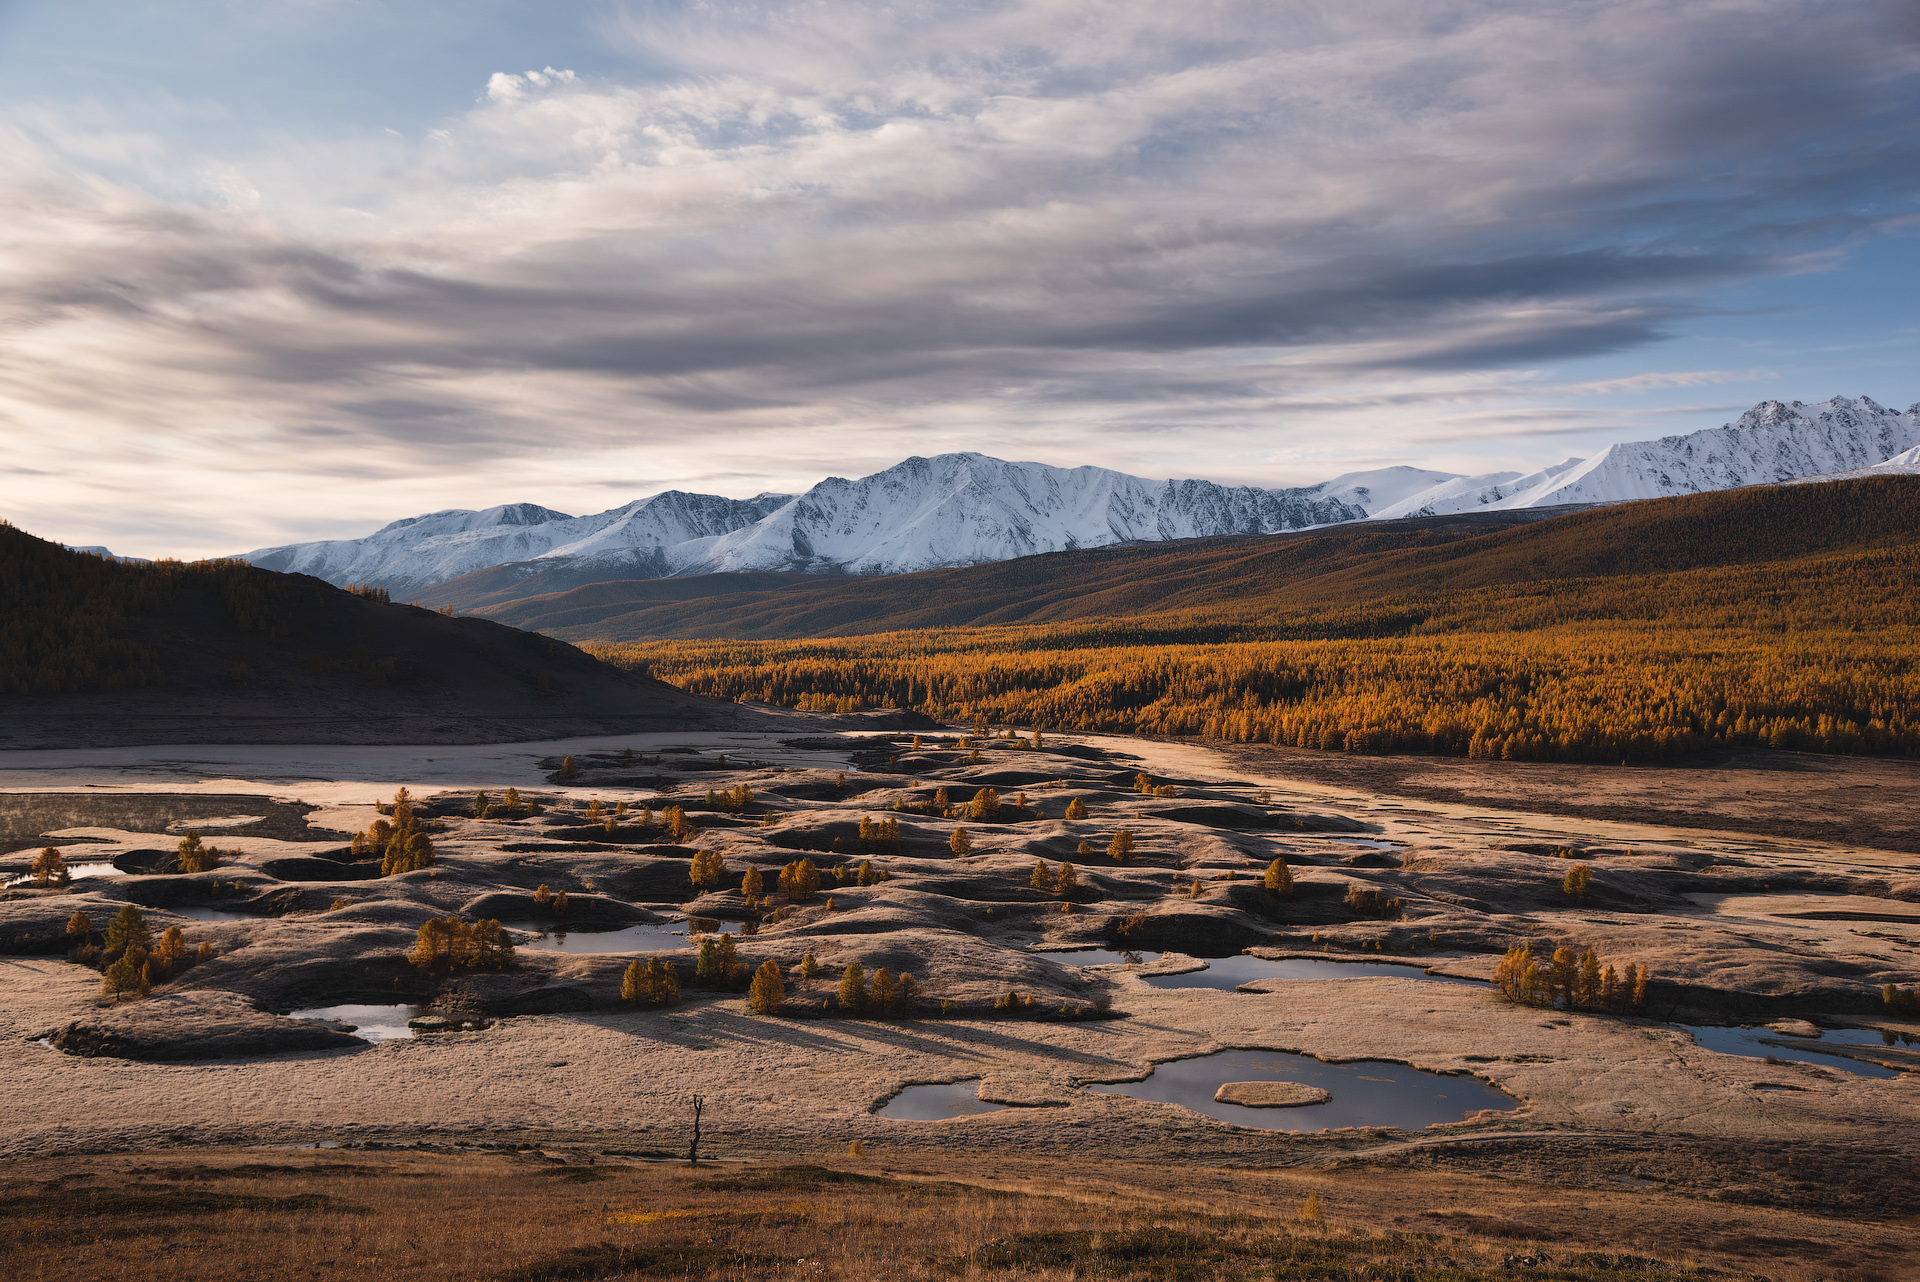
x=1905 y=463
x=1769 y=444
x=964 y=509
x=416 y=553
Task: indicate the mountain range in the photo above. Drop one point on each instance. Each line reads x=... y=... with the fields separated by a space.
x=969 y=509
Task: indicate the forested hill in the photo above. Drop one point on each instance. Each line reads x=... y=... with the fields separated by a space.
x=1371 y=567
x=95 y=652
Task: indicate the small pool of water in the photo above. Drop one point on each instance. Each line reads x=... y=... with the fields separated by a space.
x=1866 y=1037
x=76 y=871
x=935 y=1103
x=1747 y=1041
x=374 y=1023
x=213 y=914
x=1369 y=1093
x=650 y=937
x=1099 y=956
x=1231 y=972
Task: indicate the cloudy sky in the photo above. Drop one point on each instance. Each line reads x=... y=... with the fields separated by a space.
x=273 y=271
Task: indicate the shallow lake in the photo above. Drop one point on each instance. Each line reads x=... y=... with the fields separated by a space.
x=1231 y=972
x=1747 y=1041
x=934 y=1103
x=650 y=937
x=374 y=1023
x=76 y=871
x=1369 y=1093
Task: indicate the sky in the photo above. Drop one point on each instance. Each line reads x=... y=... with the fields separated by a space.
x=273 y=272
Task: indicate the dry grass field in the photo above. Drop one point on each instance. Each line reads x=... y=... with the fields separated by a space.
x=224 y=1216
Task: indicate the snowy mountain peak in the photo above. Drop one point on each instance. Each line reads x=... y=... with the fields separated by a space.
x=967 y=508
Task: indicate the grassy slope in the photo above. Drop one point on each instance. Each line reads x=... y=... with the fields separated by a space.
x=1248 y=578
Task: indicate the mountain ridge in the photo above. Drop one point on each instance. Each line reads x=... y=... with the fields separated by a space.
x=969 y=509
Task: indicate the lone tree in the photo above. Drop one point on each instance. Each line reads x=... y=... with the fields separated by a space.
x=707 y=869
x=961 y=842
x=1279 y=880
x=1121 y=846
x=1066 y=881
x=1076 y=809
x=50 y=869
x=852 y=997
x=80 y=925
x=127 y=931
x=1578 y=881
x=768 y=990
x=985 y=806
x=193 y=857
x=482 y=803
x=753 y=885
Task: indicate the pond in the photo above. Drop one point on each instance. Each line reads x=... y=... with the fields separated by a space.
x=648 y=937
x=1099 y=956
x=372 y=1023
x=936 y=1103
x=1747 y=1042
x=199 y=913
x=1368 y=1093
x=76 y=871
x=1231 y=972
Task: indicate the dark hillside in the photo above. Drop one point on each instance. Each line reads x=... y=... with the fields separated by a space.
x=95 y=653
x=1347 y=568
x=527 y=580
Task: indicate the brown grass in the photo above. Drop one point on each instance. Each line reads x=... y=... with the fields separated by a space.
x=520 y=1217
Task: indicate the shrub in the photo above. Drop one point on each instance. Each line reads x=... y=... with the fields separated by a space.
x=1279 y=879
x=852 y=995
x=961 y=842
x=1372 y=903
x=1310 y=1212
x=768 y=990
x=1076 y=809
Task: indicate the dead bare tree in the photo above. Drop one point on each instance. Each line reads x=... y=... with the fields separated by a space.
x=693 y=1150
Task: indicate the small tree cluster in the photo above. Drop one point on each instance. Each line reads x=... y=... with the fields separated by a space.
x=1372 y=903
x=706 y=870
x=1569 y=979
x=867 y=874
x=719 y=963
x=889 y=998
x=735 y=800
x=799 y=881
x=136 y=962
x=650 y=983
x=447 y=945
x=402 y=842
x=192 y=856
x=880 y=838
x=50 y=869
x=1900 y=1001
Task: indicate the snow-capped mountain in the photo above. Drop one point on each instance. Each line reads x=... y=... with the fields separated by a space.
x=1905 y=463
x=965 y=509
x=420 y=551
x=1769 y=444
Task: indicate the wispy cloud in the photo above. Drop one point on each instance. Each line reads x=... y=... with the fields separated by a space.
x=831 y=233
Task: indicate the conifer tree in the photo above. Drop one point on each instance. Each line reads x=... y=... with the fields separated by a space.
x=1566 y=966
x=1578 y=881
x=594 y=808
x=867 y=875
x=852 y=996
x=768 y=990
x=1143 y=783
x=1121 y=846
x=985 y=806
x=706 y=870
x=1279 y=879
x=512 y=801
x=568 y=769
x=907 y=997
x=1042 y=876
x=560 y=904
x=171 y=950
x=727 y=960
x=752 y=886
x=961 y=842
x=706 y=967
x=128 y=930
x=630 y=983
x=82 y=925
x=1076 y=809
x=544 y=895
x=809 y=965
x=1586 y=985
x=1066 y=881
x=1310 y=1212
x=676 y=822
x=662 y=982
x=482 y=803
x=50 y=868
x=126 y=974
x=941 y=801
x=885 y=997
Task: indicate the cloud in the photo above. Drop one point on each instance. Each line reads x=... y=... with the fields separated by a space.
x=828 y=232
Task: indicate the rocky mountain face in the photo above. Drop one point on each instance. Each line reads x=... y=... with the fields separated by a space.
x=969 y=509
